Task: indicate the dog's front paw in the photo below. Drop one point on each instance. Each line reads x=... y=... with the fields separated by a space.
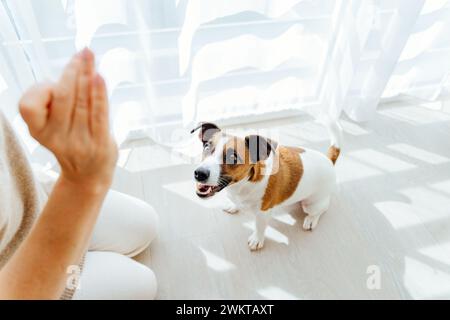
x=310 y=222
x=255 y=241
x=231 y=209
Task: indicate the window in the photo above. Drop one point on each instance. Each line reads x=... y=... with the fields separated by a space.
x=173 y=63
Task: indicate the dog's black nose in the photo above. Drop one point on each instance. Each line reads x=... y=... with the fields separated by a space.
x=201 y=174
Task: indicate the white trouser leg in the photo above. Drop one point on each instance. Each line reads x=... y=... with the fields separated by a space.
x=109 y=275
x=125 y=225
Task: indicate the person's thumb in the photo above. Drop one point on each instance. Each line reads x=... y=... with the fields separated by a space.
x=34 y=107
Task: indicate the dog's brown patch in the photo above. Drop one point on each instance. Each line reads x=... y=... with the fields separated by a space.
x=288 y=170
x=235 y=171
x=333 y=153
x=244 y=168
x=241 y=169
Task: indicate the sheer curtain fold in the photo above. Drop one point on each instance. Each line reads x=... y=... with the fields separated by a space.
x=200 y=12
x=90 y=15
x=423 y=67
x=359 y=68
x=251 y=52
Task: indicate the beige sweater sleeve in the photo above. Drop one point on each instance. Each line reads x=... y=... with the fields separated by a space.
x=22 y=198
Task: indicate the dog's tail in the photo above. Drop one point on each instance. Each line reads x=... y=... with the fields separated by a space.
x=335 y=131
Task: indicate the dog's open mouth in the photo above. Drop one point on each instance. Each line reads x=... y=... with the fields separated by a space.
x=206 y=190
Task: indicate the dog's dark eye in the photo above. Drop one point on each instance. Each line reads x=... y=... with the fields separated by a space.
x=207 y=146
x=231 y=157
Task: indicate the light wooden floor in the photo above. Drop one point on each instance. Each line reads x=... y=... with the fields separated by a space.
x=392 y=210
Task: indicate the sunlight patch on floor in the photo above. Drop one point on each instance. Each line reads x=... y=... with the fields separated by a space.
x=276 y=293
x=417 y=153
x=399 y=214
x=434 y=204
x=285 y=218
x=215 y=262
x=380 y=160
x=439 y=252
x=271 y=233
x=443 y=186
x=352 y=169
x=425 y=282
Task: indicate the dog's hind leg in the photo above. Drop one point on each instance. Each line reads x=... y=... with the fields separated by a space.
x=314 y=208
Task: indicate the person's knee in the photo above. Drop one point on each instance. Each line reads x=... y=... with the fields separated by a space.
x=126 y=225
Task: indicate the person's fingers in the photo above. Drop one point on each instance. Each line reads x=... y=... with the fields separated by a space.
x=81 y=111
x=64 y=95
x=100 y=113
x=34 y=107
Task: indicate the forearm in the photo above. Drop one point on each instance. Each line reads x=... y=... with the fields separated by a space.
x=59 y=238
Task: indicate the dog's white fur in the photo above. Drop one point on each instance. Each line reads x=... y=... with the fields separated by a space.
x=313 y=190
x=213 y=163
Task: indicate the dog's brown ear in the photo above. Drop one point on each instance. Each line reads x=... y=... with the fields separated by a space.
x=259 y=147
x=207 y=130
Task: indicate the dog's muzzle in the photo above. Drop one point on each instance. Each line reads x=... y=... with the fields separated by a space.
x=206 y=190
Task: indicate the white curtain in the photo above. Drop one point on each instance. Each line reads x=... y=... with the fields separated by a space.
x=359 y=66
x=423 y=69
x=169 y=64
x=327 y=57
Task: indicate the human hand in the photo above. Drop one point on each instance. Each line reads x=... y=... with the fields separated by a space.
x=70 y=118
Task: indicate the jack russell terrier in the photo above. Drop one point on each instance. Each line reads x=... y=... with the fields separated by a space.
x=259 y=175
